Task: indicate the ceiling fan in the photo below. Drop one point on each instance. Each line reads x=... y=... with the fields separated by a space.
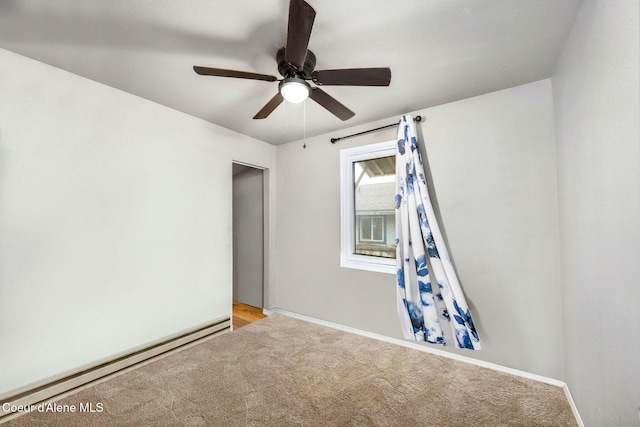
x=297 y=64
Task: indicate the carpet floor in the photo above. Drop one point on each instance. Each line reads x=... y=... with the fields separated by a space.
x=281 y=371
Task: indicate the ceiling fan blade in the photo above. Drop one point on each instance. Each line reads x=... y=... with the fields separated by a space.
x=353 y=77
x=220 y=72
x=269 y=107
x=331 y=104
x=301 y=17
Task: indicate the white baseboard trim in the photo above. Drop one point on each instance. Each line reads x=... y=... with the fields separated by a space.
x=85 y=378
x=437 y=352
x=574 y=408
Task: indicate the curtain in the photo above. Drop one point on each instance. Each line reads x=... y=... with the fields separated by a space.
x=431 y=305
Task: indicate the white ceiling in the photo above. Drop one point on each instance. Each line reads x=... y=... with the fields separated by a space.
x=438 y=51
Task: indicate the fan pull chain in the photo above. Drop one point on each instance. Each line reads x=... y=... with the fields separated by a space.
x=304 y=124
x=284 y=118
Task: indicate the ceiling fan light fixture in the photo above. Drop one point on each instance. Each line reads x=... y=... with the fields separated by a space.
x=294 y=90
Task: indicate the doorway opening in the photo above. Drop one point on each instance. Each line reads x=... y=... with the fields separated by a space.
x=249 y=240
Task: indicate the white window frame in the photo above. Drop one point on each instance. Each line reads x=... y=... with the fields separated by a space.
x=348 y=258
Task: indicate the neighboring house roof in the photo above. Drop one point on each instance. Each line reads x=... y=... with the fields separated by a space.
x=375 y=199
x=380 y=166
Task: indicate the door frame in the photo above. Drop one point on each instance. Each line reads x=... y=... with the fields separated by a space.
x=266 y=242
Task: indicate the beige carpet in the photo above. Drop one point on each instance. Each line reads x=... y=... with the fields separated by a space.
x=286 y=372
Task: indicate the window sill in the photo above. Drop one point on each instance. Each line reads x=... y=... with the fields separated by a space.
x=363 y=262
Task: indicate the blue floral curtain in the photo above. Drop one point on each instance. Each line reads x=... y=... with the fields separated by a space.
x=431 y=304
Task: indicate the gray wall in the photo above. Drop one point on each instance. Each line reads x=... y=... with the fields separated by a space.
x=597 y=112
x=115 y=221
x=248 y=235
x=493 y=164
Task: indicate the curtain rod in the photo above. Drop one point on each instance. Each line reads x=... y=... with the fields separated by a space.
x=416 y=119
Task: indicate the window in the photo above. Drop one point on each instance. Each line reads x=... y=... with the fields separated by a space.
x=367 y=181
x=371 y=229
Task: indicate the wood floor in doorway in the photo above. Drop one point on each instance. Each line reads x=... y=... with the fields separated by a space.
x=244 y=314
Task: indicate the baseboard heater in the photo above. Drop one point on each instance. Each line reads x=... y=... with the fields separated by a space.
x=74 y=382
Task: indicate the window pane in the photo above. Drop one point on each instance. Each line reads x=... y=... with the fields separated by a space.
x=377 y=229
x=365 y=228
x=374 y=193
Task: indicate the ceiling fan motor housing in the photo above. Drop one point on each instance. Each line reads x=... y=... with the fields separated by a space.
x=288 y=70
